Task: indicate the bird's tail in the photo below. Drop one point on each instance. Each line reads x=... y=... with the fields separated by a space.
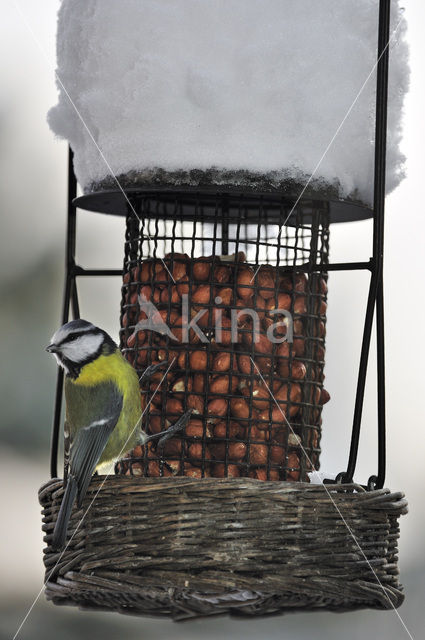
x=61 y=526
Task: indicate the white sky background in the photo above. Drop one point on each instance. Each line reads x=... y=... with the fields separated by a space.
x=33 y=197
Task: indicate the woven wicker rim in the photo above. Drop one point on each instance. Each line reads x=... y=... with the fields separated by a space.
x=183 y=547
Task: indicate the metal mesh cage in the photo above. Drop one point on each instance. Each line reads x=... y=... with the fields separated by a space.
x=228 y=291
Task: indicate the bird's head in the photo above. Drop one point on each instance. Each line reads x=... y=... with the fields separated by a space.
x=77 y=343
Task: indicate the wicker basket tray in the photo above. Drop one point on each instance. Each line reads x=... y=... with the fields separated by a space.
x=183 y=547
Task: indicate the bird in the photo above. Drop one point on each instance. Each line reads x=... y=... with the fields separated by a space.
x=103 y=412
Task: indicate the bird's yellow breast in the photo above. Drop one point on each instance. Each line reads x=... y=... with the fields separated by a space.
x=107 y=368
x=111 y=368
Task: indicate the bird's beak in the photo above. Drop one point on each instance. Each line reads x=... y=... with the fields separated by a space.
x=52 y=348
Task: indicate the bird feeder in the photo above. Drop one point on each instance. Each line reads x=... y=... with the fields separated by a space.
x=224 y=518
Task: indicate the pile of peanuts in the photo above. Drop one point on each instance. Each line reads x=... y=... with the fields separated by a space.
x=243 y=387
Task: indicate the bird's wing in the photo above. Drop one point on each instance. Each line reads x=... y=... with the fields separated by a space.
x=90 y=441
x=66 y=448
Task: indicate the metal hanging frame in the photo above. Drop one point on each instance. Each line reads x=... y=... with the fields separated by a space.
x=374 y=265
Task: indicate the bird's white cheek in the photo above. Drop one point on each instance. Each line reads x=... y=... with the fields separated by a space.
x=60 y=363
x=82 y=348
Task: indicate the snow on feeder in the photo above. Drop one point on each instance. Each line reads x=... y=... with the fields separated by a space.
x=224 y=281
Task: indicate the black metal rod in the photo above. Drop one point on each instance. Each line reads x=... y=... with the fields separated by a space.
x=379 y=210
x=378 y=246
x=379 y=481
x=345 y=266
x=68 y=292
x=337 y=266
x=81 y=271
x=361 y=380
x=225 y=226
x=74 y=300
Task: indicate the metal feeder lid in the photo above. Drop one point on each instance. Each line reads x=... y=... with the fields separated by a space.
x=116 y=202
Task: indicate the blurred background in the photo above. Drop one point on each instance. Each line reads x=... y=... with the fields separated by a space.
x=33 y=166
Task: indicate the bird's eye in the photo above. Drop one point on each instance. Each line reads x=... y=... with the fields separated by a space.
x=73 y=337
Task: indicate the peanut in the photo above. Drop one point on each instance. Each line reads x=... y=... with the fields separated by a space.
x=196 y=403
x=294 y=396
x=283 y=302
x=174 y=466
x=296 y=282
x=244 y=281
x=264 y=364
x=126 y=277
x=160 y=278
x=299 y=346
x=313 y=438
x=237 y=450
x=178 y=270
x=134 y=299
x=320 y=352
x=198 y=360
x=142 y=357
x=183 y=257
x=221 y=274
x=217 y=407
x=155 y=389
x=226 y=295
x=202 y=294
x=199 y=382
x=219 y=385
x=222 y=431
x=294 y=439
x=256 y=434
x=300 y=306
x=172 y=447
x=277 y=454
x=182 y=360
x=226 y=333
x=173 y=406
x=208 y=318
x=258 y=454
x=201 y=268
x=266 y=282
x=166 y=355
x=273 y=414
x=139 y=337
x=146 y=292
x=195 y=429
x=155 y=423
x=170 y=294
x=145 y=272
x=324 y=397
x=296 y=370
x=183 y=286
x=195 y=453
x=221 y=362
x=181 y=386
x=245 y=365
x=164 y=471
x=323 y=308
x=261 y=474
x=241 y=305
x=195 y=472
x=239 y=408
x=219 y=470
x=293 y=466
x=260 y=341
x=260 y=395
x=261 y=307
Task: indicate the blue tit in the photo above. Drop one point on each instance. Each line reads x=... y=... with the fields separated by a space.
x=103 y=409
